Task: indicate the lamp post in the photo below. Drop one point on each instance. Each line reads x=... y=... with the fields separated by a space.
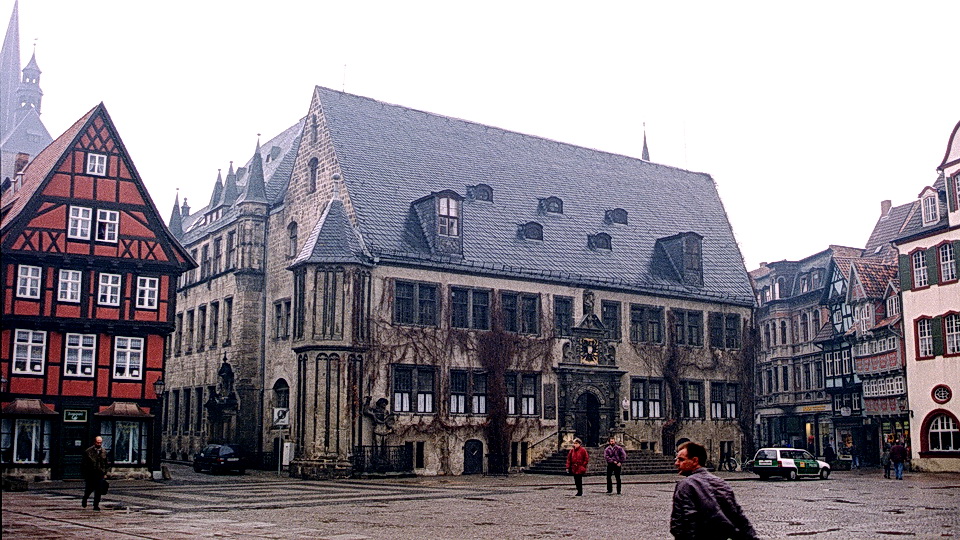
x=158 y=419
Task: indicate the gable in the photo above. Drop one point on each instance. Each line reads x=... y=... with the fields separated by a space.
x=88 y=168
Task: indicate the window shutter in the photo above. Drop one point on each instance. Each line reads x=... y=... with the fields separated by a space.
x=956 y=255
x=936 y=330
x=906 y=276
x=951 y=196
x=933 y=265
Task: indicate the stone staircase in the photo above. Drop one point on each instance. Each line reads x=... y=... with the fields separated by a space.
x=638 y=462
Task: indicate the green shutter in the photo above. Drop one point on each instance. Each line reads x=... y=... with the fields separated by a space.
x=936 y=330
x=906 y=276
x=951 y=196
x=933 y=265
x=956 y=255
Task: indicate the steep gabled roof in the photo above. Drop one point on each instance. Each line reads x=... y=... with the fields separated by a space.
x=874 y=276
x=887 y=228
x=38 y=169
x=334 y=240
x=391 y=156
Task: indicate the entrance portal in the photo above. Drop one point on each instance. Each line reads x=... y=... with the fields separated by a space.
x=587 y=419
x=473 y=457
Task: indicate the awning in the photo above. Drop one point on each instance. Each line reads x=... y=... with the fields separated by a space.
x=125 y=409
x=24 y=406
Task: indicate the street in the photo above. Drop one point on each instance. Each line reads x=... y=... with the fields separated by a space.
x=857 y=504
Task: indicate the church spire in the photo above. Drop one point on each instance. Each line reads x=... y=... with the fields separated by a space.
x=176 y=221
x=10 y=72
x=217 y=197
x=230 y=191
x=29 y=93
x=646 y=152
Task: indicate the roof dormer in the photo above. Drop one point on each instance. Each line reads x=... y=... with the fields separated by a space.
x=929 y=206
x=480 y=192
x=681 y=256
x=599 y=241
x=530 y=231
x=550 y=205
x=617 y=215
x=439 y=218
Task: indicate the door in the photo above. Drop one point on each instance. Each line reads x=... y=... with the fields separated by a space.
x=473 y=457
x=74 y=440
x=587 y=419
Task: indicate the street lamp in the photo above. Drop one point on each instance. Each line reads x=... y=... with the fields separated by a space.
x=158 y=419
x=158 y=387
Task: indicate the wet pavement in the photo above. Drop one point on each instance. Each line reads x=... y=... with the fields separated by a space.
x=857 y=504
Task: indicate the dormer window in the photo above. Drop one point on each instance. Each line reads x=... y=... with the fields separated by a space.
x=599 y=241
x=551 y=205
x=448 y=216
x=617 y=215
x=480 y=192
x=531 y=231
x=96 y=164
x=930 y=209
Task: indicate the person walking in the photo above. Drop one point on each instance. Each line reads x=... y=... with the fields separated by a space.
x=94 y=468
x=703 y=504
x=577 y=460
x=615 y=456
x=885 y=460
x=898 y=455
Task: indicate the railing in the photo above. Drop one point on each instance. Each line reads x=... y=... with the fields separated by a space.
x=382 y=459
x=543 y=440
x=634 y=439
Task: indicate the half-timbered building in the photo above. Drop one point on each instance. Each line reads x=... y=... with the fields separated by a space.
x=88 y=293
x=446 y=297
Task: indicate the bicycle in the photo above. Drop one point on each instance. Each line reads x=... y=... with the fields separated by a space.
x=733 y=463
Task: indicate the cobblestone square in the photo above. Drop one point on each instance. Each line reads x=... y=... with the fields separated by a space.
x=858 y=504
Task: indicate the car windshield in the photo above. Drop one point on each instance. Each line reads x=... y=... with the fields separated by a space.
x=806 y=455
x=210 y=450
x=766 y=454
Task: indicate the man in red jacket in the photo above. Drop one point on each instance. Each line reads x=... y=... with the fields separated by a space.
x=577 y=460
x=898 y=455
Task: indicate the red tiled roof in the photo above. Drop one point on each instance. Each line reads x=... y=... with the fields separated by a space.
x=874 y=276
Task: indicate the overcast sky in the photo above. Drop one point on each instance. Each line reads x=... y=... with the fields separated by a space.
x=806 y=114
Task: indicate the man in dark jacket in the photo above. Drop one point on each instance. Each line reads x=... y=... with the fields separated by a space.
x=703 y=504
x=94 y=472
x=615 y=455
x=898 y=456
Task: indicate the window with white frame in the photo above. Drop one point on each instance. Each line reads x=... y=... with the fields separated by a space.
x=147 y=292
x=68 y=288
x=693 y=399
x=29 y=351
x=948 y=264
x=919 y=262
x=28 y=281
x=413 y=389
x=80 y=218
x=899 y=385
x=128 y=358
x=80 y=352
x=96 y=164
x=479 y=394
x=925 y=338
x=458 y=391
x=109 y=293
x=449 y=217
x=930 y=209
x=107 y=225
x=951 y=324
x=943 y=435
x=893 y=306
x=864 y=317
x=26 y=440
x=127 y=447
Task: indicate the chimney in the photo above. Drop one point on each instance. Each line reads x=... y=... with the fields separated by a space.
x=185 y=209
x=884 y=207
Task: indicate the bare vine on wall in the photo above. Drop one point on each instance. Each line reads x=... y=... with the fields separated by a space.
x=494 y=351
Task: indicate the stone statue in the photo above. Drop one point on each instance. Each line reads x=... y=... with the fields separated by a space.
x=383 y=419
x=588 y=303
x=226 y=378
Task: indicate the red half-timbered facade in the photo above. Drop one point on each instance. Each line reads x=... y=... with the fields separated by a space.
x=88 y=294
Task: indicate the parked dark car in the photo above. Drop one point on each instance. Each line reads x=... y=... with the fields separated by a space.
x=221 y=457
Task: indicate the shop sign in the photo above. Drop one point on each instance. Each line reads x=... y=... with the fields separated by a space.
x=74 y=415
x=823 y=407
x=845 y=411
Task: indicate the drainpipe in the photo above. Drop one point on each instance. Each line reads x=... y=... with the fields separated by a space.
x=263 y=334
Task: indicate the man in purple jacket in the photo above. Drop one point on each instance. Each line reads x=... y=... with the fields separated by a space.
x=615 y=456
x=703 y=504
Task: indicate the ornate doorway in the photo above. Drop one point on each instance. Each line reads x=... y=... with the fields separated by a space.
x=587 y=419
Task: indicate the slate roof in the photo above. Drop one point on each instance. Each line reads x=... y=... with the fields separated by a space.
x=391 y=156
x=334 y=240
x=887 y=228
x=913 y=225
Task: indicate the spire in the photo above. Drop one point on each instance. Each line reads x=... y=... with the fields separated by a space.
x=216 y=199
x=256 y=186
x=646 y=152
x=10 y=72
x=176 y=221
x=29 y=94
x=230 y=191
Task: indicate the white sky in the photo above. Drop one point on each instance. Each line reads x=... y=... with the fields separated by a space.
x=807 y=114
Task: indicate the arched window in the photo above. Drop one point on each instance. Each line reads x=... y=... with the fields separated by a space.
x=599 y=241
x=292 y=232
x=482 y=192
x=804 y=326
x=314 y=165
x=943 y=435
x=617 y=215
x=281 y=393
x=783 y=332
x=532 y=231
x=552 y=205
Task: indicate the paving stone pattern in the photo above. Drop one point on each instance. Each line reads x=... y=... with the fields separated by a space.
x=851 y=505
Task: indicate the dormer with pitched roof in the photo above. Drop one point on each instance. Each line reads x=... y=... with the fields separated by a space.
x=682 y=255
x=437 y=220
